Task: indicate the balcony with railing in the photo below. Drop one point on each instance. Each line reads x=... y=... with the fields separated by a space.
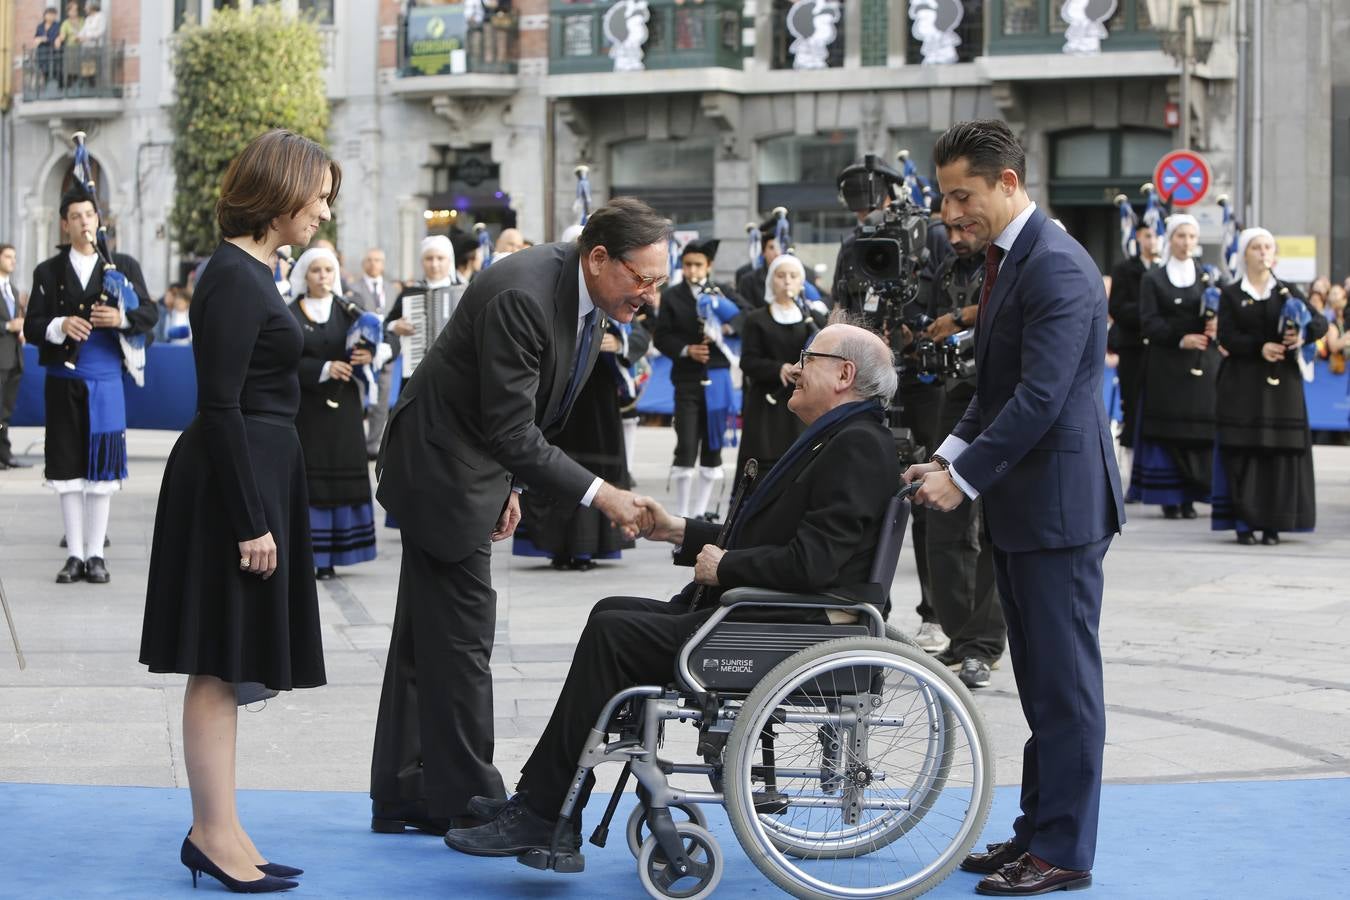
x=680 y=35
x=74 y=81
x=442 y=52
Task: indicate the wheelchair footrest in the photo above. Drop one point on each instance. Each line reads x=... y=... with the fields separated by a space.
x=568 y=862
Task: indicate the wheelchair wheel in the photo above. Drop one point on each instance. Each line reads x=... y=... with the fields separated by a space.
x=637 y=832
x=858 y=768
x=660 y=879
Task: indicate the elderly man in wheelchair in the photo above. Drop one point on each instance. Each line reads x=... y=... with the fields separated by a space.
x=850 y=764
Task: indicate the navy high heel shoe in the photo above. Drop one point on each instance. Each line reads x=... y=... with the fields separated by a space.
x=280 y=871
x=199 y=863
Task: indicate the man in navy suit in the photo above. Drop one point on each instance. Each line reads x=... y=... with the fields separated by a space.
x=1034 y=444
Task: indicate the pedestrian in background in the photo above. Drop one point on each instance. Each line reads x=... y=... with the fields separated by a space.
x=11 y=352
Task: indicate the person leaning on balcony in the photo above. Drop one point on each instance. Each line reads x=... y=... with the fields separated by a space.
x=95 y=27
x=68 y=37
x=45 y=40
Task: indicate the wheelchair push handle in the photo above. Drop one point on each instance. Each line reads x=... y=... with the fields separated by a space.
x=909 y=490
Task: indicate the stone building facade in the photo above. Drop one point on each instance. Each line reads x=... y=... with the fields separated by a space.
x=718 y=125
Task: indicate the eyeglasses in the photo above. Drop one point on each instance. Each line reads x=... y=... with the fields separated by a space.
x=808 y=354
x=644 y=282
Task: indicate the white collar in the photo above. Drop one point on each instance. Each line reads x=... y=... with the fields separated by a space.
x=440 y=283
x=584 y=302
x=1181 y=272
x=1254 y=293
x=320 y=309
x=4 y=279
x=785 y=315
x=1008 y=236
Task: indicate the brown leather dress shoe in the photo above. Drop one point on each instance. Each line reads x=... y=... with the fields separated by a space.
x=1030 y=875
x=996 y=857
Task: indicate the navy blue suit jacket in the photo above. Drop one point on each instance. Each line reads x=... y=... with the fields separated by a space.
x=1040 y=453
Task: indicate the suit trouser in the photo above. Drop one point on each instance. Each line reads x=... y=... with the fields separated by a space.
x=691 y=427
x=378 y=413
x=434 y=732
x=919 y=405
x=961 y=564
x=9 y=398
x=1052 y=601
x=627 y=641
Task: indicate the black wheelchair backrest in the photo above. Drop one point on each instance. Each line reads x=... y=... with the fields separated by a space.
x=889 y=544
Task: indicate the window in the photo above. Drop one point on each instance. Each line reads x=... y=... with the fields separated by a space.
x=674 y=177
x=1037 y=26
x=1021 y=17
x=800 y=173
x=970 y=31
x=783 y=57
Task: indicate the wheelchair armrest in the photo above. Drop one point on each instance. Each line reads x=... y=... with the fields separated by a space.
x=767 y=597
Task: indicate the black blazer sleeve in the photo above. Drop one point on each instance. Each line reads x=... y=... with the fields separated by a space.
x=667 y=338
x=41 y=307
x=232 y=317
x=698 y=533
x=841 y=514
x=1123 y=302
x=756 y=361
x=511 y=334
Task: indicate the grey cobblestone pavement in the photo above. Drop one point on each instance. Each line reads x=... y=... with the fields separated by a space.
x=1222 y=662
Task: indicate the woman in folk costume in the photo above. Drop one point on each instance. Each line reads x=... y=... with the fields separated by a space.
x=1174 y=446
x=1263 y=473
x=772 y=339
x=332 y=402
x=82 y=340
x=573 y=537
x=438 y=271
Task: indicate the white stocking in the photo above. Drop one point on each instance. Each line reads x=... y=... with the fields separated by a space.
x=709 y=477
x=683 y=479
x=72 y=513
x=96 y=509
x=630 y=442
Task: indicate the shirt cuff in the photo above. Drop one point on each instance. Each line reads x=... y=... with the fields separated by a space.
x=326 y=372
x=54 y=333
x=684 y=352
x=590 y=494
x=950 y=450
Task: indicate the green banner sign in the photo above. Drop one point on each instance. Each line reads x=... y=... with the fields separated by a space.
x=436 y=37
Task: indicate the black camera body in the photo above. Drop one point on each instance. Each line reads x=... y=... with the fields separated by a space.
x=889 y=250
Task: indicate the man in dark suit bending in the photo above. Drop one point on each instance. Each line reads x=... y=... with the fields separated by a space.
x=811 y=524
x=471 y=425
x=1034 y=444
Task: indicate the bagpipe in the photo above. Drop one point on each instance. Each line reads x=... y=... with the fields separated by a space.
x=1209 y=307
x=364 y=333
x=1294 y=320
x=116 y=289
x=716 y=309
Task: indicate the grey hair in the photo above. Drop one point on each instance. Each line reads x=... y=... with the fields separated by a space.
x=875 y=378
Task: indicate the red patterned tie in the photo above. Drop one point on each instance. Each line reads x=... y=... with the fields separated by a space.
x=992 y=255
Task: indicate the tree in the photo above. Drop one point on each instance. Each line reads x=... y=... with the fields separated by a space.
x=240 y=75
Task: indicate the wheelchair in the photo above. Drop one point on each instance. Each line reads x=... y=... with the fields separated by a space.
x=850 y=763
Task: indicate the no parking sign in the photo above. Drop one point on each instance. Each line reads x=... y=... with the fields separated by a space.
x=1182 y=177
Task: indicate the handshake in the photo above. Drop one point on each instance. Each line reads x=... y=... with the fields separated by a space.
x=638 y=516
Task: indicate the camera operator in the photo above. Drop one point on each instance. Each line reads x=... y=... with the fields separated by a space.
x=960 y=561
x=872 y=190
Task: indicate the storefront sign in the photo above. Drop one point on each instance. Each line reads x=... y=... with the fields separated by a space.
x=436 y=36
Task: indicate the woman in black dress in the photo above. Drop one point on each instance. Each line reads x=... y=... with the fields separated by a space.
x=1263 y=474
x=230 y=600
x=772 y=338
x=1174 y=447
x=341 y=518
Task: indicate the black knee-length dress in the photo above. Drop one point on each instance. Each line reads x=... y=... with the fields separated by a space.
x=236 y=473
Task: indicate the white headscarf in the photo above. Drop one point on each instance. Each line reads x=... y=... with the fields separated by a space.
x=299 y=288
x=783 y=259
x=442 y=243
x=1244 y=239
x=1173 y=223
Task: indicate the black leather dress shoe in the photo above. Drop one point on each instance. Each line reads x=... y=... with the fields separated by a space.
x=1270 y=538
x=1171 y=512
x=1188 y=511
x=71 y=572
x=325 y=573
x=13 y=462
x=396 y=818
x=1246 y=538
x=517 y=829
x=96 y=571
x=996 y=857
x=1030 y=875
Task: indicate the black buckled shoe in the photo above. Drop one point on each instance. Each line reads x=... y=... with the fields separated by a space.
x=71 y=572
x=995 y=857
x=396 y=818
x=1030 y=875
x=517 y=829
x=96 y=571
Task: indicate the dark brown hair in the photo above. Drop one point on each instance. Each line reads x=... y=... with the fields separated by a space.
x=987 y=145
x=278 y=173
x=621 y=226
x=4 y=247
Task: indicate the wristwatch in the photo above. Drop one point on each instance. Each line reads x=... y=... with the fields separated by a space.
x=941 y=461
x=958 y=317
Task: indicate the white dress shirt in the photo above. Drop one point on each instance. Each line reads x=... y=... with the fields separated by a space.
x=953 y=446
x=84 y=270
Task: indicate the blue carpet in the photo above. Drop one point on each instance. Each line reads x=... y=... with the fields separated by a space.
x=1270 y=839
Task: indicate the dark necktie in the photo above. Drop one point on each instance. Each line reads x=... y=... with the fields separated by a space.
x=9 y=299
x=587 y=336
x=992 y=255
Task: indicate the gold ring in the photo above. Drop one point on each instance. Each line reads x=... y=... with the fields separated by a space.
x=243 y=562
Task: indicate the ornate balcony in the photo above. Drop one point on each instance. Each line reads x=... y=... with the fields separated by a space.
x=440 y=53
x=680 y=35
x=75 y=81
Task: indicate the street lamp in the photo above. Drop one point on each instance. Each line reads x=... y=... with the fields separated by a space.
x=1188 y=29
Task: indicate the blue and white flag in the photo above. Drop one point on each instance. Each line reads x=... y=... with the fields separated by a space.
x=1129 y=225
x=1228 y=252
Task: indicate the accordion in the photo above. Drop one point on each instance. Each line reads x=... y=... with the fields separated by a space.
x=429 y=310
